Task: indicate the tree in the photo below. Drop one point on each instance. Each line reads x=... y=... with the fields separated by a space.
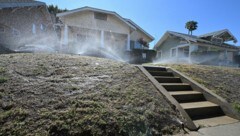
x=54 y=9
x=191 y=26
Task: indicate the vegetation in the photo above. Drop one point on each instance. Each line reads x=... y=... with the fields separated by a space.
x=236 y=106
x=2 y=75
x=143 y=42
x=3 y=79
x=75 y=95
x=191 y=26
x=54 y=9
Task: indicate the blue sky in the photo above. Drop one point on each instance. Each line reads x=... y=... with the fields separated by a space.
x=158 y=16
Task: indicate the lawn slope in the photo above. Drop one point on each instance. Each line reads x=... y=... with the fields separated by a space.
x=42 y=94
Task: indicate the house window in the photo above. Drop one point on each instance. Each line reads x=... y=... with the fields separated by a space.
x=34 y=29
x=173 y=52
x=100 y=16
x=137 y=45
x=216 y=40
x=159 y=54
x=144 y=55
x=132 y=43
x=43 y=27
x=2 y=29
x=15 y=32
x=81 y=37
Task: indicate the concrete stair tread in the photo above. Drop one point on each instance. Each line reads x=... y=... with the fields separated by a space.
x=165 y=77
x=201 y=104
x=184 y=92
x=149 y=68
x=173 y=84
x=214 y=121
x=161 y=73
x=158 y=71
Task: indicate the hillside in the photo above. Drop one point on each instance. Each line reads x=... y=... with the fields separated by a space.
x=224 y=81
x=42 y=94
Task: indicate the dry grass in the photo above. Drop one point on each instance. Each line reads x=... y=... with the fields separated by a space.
x=72 y=95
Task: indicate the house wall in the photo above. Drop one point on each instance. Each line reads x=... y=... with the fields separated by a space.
x=86 y=19
x=21 y=20
x=84 y=23
x=166 y=46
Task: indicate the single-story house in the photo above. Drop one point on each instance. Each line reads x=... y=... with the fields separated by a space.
x=211 y=48
x=95 y=31
x=24 y=22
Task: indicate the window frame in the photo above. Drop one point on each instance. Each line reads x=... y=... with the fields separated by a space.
x=15 y=32
x=144 y=55
x=171 y=52
x=3 y=29
x=159 y=57
x=100 y=16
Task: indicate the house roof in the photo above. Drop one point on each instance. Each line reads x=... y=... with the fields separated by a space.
x=191 y=38
x=138 y=27
x=96 y=10
x=19 y=3
x=230 y=36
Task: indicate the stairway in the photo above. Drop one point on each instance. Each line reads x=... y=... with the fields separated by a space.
x=201 y=111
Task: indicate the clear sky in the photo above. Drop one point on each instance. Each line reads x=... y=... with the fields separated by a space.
x=158 y=16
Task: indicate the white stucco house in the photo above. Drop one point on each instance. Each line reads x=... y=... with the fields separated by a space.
x=211 y=48
x=88 y=27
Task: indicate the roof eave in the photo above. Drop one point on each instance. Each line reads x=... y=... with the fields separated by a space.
x=146 y=33
x=162 y=39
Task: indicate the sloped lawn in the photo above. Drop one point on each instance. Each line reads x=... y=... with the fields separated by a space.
x=42 y=94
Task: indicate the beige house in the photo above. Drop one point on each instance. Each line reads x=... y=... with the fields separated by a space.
x=24 y=22
x=89 y=27
x=211 y=48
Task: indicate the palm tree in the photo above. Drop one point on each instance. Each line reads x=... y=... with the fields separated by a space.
x=191 y=26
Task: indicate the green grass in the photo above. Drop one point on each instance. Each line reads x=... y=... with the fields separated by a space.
x=3 y=79
x=39 y=70
x=236 y=106
x=2 y=70
x=15 y=119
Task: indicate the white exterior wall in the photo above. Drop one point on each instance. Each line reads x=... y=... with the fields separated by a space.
x=86 y=20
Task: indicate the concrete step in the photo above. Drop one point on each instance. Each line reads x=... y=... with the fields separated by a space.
x=214 y=121
x=187 y=96
x=162 y=79
x=176 y=86
x=201 y=110
x=161 y=73
x=155 y=68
